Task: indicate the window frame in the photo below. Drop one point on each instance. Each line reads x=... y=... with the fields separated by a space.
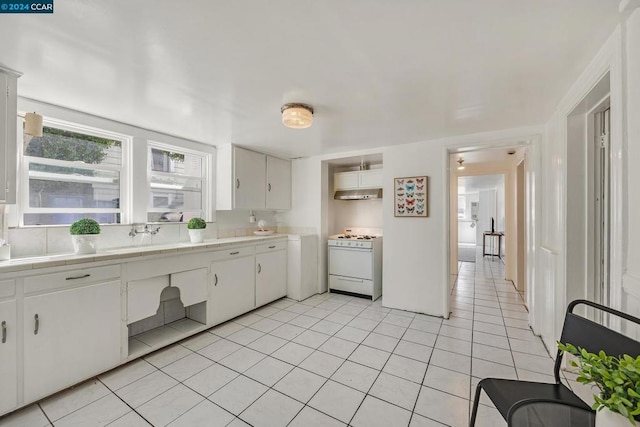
x=124 y=171
x=205 y=177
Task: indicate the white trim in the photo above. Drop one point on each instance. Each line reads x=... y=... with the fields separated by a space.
x=519 y=137
x=607 y=60
x=25 y=174
x=206 y=178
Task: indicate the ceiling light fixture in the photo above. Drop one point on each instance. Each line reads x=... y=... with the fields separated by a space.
x=460 y=164
x=296 y=115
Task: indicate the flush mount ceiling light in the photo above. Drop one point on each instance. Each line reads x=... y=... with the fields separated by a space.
x=296 y=115
x=460 y=163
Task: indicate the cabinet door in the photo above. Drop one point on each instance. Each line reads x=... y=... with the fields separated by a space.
x=69 y=336
x=249 y=179
x=8 y=123
x=345 y=181
x=233 y=288
x=271 y=276
x=370 y=179
x=8 y=361
x=278 y=183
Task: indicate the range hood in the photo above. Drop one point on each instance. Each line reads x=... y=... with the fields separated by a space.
x=363 y=194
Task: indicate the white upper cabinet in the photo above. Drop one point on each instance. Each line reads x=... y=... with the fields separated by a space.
x=278 y=183
x=8 y=142
x=345 y=181
x=357 y=179
x=250 y=173
x=250 y=180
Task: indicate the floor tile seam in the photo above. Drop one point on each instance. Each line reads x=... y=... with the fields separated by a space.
x=127 y=384
x=251 y=404
x=510 y=349
x=44 y=413
x=123 y=401
x=166 y=391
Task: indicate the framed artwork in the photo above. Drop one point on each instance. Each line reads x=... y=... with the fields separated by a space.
x=411 y=196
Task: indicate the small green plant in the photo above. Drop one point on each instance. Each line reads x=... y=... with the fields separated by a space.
x=85 y=226
x=196 y=224
x=617 y=378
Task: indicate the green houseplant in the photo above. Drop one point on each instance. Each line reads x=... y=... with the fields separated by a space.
x=618 y=380
x=84 y=235
x=196 y=228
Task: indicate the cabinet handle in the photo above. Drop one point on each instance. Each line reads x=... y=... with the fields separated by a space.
x=272 y=247
x=4 y=331
x=237 y=183
x=234 y=253
x=259 y=268
x=269 y=186
x=78 y=277
x=37 y=319
x=216 y=281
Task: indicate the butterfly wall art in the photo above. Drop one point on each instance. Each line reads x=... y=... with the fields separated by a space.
x=411 y=196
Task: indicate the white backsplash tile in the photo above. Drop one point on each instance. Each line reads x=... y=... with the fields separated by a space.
x=59 y=240
x=27 y=242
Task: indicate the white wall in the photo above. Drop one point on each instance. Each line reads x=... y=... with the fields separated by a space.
x=355 y=213
x=414 y=268
x=631 y=278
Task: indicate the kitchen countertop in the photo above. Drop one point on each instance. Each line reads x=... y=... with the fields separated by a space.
x=57 y=260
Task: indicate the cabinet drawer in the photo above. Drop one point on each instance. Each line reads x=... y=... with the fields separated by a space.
x=232 y=253
x=64 y=279
x=358 y=286
x=274 y=246
x=7 y=288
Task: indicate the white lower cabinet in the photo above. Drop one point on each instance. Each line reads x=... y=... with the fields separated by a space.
x=8 y=356
x=232 y=287
x=271 y=273
x=70 y=335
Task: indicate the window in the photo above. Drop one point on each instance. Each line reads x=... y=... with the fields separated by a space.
x=71 y=172
x=176 y=184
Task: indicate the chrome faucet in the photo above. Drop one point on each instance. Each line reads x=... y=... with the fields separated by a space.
x=151 y=231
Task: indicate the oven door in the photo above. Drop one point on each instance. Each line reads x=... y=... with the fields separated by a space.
x=351 y=262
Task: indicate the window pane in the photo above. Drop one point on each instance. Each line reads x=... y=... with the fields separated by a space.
x=68 y=218
x=173 y=216
x=60 y=144
x=71 y=187
x=173 y=162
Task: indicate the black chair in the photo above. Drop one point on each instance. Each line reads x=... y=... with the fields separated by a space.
x=524 y=403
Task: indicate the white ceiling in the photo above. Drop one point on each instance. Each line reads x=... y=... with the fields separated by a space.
x=474 y=184
x=377 y=72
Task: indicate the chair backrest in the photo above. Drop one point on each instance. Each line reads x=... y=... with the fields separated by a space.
x=594 y=337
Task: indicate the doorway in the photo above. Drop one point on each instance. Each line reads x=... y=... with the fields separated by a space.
x=473 y=175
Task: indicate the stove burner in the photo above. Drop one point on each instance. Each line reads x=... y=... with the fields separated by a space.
x=356 y=237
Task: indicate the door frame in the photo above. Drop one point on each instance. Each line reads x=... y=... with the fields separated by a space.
x=530 y=138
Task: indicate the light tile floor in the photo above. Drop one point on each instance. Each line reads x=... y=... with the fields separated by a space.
x=331 y=360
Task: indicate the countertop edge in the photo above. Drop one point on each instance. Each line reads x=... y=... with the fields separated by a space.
x=58 y=260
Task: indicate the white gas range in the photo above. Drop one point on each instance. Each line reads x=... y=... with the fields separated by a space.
x=355 y=262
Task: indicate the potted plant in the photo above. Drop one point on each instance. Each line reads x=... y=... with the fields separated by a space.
x=196 y=228
x=84 y=235
x=618 y=380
